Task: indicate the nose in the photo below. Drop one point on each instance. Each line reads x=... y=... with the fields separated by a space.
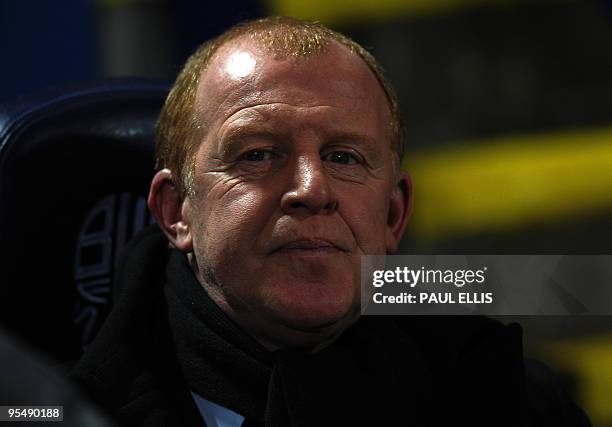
x=310 y=191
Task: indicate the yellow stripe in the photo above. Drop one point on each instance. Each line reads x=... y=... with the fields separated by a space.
x=509 y=182
x=341 y=11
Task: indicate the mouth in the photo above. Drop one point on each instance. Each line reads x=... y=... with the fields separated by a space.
x=309 y=247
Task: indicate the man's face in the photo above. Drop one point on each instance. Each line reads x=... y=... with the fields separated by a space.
x=293 y=180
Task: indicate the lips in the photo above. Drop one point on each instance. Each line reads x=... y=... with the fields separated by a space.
x=306 y=246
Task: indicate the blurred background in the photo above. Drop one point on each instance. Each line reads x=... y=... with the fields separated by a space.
x=507 y=105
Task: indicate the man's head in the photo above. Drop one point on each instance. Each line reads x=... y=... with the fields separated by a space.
x=180 y=127
x=279 y=147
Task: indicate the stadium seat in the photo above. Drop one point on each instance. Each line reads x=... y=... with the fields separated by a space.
x=75 y=166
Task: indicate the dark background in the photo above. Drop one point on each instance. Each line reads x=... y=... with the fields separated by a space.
x=508 y=107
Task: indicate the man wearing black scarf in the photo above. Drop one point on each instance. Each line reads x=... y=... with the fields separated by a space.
x=278 y=155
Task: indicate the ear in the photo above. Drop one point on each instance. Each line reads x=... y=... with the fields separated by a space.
x=400 y=208
x=169 y=210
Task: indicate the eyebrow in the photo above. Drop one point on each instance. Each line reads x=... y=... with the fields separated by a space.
x=234 y=138
x=365 y=142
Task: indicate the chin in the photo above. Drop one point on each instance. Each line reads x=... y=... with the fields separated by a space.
x=314 y=307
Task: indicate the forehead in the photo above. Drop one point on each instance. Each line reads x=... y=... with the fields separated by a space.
x=242 y=74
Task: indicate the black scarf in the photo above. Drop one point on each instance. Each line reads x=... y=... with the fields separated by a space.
x=373 y=375
x=383 y=371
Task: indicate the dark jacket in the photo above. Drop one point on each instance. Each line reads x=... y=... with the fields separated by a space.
x=165 y=337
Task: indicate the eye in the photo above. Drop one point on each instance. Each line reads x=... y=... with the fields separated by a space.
x=342 y=157
x=256 y=156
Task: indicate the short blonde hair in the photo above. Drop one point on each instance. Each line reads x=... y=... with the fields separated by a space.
x=178 y=125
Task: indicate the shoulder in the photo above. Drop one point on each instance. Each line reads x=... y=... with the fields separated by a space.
x=453 y=336
x=480 y=361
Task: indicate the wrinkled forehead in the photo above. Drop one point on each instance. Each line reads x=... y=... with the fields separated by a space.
x=244 y=72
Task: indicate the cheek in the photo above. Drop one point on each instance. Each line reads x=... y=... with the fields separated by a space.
x=367 y=218
x=231 y=222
